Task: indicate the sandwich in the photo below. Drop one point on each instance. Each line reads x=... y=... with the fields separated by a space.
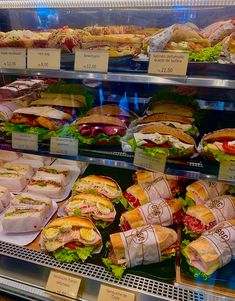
x=159 y=211
x=56 y=173
x=182 y=123
x=228 y=47
x=23 y=219
x=118 y=45
x=145 y=176
x=200 y=218
x=71 y=239
x=171 y=108
x=93 y=206
x=98 y=184
x=97 y=30
x=4 y=198
x=99 y=130
x=46 y=186
x=6 y=110
x=7 y=156
x=219 y=145
x=23 y=169
x=201 y=191
x=29 y=199
x=163 y=139
x=211 y=251
x=140 y=246
x=12 y=180
x=125 y=115
x=44 y=121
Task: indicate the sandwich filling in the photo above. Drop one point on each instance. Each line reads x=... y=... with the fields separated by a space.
x=221 y=150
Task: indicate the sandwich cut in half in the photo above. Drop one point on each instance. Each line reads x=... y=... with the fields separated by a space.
x=71 y=239
x=93 y=206
x=23 y=169
x=219 y=145
x=56 y=173
x=12 y=180
x=4 y=198
x=47 y=186
x=140 y=246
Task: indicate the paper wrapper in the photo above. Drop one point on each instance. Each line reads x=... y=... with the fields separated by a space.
x=160 y=188
x=159 y=41
x=222 y=208
x=223 y=31
x=141 y=246
x=222 y=237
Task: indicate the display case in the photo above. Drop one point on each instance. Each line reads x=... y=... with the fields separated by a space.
x=126 y=33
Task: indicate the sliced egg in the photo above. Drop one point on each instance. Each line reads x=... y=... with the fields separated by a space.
x=87 y=234
x=65 y=228
x=51 y=233
x=103 y=209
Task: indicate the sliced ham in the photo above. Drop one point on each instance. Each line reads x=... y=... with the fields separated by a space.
x=196 y=262
x=94 y=130
x=219 y=145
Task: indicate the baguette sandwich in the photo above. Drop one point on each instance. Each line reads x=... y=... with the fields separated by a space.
x=12 y=180
x=171 y=108
x=93 y=206
x=144 y=176
x=71 y=239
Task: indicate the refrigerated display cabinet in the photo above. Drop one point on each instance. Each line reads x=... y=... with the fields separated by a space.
x=24 y=270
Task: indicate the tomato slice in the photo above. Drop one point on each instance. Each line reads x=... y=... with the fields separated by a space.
x=150 y=144
x=165 y=145
x=229 y=149
x=73 y=245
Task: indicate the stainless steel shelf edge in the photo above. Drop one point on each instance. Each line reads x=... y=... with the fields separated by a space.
x=198 y=81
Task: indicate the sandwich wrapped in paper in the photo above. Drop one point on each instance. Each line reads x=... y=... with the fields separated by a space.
x=23 y=169
x=23 y=219
x=141 y=246
x=159 y=211
x=211 y=251
x=145 y=176
x=200 y=218
x=56 y=173
x=4 y=198
x=71 y=239
x=49 y=186
x=219 y=145
x=228 y=47
x=93 y=206
x=200 y=191
x=7 y=156
x=7 y=108
x=97 y=30
x=12 y=180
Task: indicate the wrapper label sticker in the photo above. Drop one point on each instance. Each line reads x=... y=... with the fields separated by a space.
x=12 y=58
x=168 y=63
x=227 y=171
x=222 y=208
x=156 y=163
x=25 y=141
x=110 y=293
x=158 y=188
x=91 y=60
x=141 y=246
x=222 y=237
x=43 y=58
x=64 y=146
x=63 y=284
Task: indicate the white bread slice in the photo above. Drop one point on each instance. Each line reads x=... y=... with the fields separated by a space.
x=61 y=179
x=14 y=181
x=23 y=169
x=45 y=187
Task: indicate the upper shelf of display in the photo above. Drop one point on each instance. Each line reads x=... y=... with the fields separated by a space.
x=9 y=4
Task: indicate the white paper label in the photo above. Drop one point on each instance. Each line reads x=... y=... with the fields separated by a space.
x=141 y=246
x=43 y=58
x=25 y=141
x=13 y=58
x=156 y=212
x=222 y=208
x=160 y=188
x=64 y=146
x=222 y=237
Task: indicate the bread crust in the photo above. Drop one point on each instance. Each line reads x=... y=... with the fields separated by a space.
x=165 y=117
x=170 y=108
x=108 y=110
x=94 y=198
x=101 y=179
x=202 y=213
x=100 y=119
x=73 y=221
x=138 y=192
x=220 y=135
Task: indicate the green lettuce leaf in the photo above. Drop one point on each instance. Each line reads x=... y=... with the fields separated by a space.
x=193 y=131
x=187 y=202
x=167 y=256
x=231 y=189
x=184 y=243
x=101 y=224
x=167 y=94
x=218 y=155
x=117 y=270
x=190 y=233
x=70 y=255
x=208 y=54
x=121 y=200
x=152 y=151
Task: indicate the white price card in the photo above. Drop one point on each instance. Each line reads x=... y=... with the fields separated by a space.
x=43 y=58
x=168 y=63
x=227 y=171
x=156 y=163
x=13 y=58
x=64 y=146
x=91 y=60
x=25 y=141
x=111 y=293
x=63 y=284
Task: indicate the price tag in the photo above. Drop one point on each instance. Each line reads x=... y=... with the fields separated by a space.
x=13 y=58
x=227 y=171
x=43 y=58
x=64 y=146
x=25 y=141
x=168 y=63
x=91 y=60
x=156 y=163
x=63 y=284
x=114 y=294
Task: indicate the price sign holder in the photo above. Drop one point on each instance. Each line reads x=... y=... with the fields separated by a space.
x=64 y=146
x=13 y=58
x=43 y=58
x=168 y=63
x=156 y=163
x=114 y=294
x=63 y=284
x=227 y=171
x=91 y=60
x=25 y=141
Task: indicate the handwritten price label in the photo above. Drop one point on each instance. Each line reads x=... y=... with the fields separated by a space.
x=40 y=58
x=25 y=141
x=156 y=163
x=114 y=294
x=64 y=146
x=63 y=284
x=90 y=60
x=168 y=63
x=227 y=171
x=13 y=58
